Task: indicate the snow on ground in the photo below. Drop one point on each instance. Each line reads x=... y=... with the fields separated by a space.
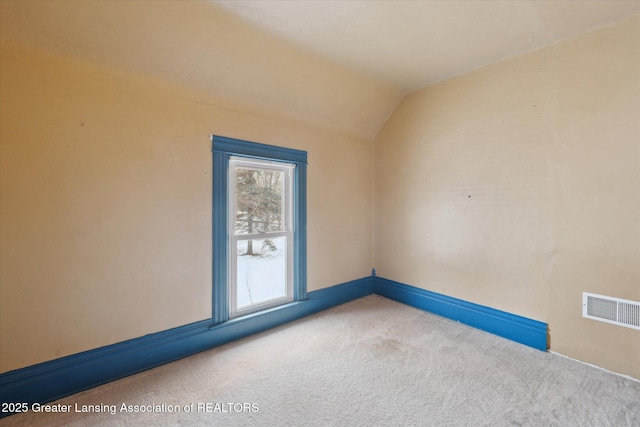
x=261 y=278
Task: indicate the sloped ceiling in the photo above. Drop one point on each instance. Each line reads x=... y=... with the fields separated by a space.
x=340 y=65
x=416 y=43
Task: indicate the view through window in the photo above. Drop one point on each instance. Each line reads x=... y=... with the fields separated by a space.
x=261 y=234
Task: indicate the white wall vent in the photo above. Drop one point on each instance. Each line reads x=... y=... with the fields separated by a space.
x=618 y=311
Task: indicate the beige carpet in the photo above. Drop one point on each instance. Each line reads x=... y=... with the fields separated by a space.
x=369 y=362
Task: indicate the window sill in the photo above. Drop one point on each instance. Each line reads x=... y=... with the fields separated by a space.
x=265 y=313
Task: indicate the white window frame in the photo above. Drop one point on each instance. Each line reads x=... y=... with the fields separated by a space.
x=287 y=231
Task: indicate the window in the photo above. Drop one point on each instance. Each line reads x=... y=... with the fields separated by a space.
x=260 y=235
x=259 y=227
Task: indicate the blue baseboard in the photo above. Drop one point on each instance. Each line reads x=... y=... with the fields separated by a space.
x=58 y=378
x=516 y=328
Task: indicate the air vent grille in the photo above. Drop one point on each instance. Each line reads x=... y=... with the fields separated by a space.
x=611 y=310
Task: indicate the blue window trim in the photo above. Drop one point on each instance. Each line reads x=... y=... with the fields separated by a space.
x=223 y=148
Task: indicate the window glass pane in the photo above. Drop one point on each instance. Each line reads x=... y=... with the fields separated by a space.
x=259 y=201
x=261 y=271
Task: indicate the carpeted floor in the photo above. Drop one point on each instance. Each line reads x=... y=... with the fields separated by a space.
x=369 y=362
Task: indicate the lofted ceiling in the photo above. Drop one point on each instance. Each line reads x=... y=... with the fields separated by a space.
x=416 y=43
x=341 y=65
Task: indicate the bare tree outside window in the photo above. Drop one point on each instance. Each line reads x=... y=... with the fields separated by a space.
x=259 y=207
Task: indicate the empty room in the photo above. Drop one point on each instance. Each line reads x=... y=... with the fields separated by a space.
x=320 y=212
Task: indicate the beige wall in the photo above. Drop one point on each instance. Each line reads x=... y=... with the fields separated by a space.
x=106 y=203
x=517 y=186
